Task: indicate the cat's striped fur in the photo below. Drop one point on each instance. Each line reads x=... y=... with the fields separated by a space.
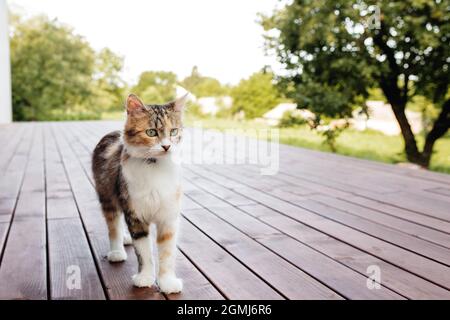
x=136 y=176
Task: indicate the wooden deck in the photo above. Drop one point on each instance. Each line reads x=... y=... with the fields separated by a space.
x=309 y=232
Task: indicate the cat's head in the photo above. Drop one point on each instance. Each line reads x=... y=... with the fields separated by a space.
x=153 y=130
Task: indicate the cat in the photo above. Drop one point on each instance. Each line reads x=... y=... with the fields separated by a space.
x=137 y=177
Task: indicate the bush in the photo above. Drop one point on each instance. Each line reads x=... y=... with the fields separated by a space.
x=255 y=95
x=291 y=119
x=195 y=110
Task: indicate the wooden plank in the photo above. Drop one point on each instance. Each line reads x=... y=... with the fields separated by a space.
x=374 y=167
x=406 y=200
x=60 y=202
x=387 y=234
x=6 y=208
x=23 y=271
x=3 y=231
x=430 y=222
x=195 y=285
x=68 y=245
x=11 y=179
x=187 y=203
x=401 y=225
x=218 y=192
x=11 y=138
x=440 y=190
x=227 y=274
x=431 y=207
x=441 y=198
x=23 y=267
x=70 y=260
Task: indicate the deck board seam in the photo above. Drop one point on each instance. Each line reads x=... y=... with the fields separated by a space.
x=47 y=246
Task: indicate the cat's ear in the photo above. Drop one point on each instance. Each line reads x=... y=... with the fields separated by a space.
x=179 y=103
x=134 y=104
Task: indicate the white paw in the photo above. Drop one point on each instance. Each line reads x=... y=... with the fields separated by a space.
x=143 y=280
x=127 y=239
x=117 y=255
x=170 y=284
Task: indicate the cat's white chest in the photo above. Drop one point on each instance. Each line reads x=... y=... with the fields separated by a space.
x=151 y=187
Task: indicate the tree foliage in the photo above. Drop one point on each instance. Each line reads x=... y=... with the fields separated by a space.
x=57 y=75
x=335 y=51
x=51 y=69
x=255 y=95
x=202 y=86
x=108 y=86
x=156 y=86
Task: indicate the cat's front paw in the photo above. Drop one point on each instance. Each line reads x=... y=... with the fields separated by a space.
x=143 y=280
x=117 y=255
x=170 y=284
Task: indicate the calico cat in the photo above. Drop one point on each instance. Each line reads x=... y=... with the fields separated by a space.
x=136 y=175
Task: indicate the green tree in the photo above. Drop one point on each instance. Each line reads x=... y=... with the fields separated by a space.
x=51 y=69
x=334 y=51
x=255 y=95
x=156 y=86
x=108 y=87
x=202 y=86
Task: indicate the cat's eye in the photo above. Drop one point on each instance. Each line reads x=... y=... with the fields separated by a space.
x=174 y=132
x=151 y=132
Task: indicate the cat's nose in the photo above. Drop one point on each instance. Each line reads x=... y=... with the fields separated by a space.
x=165 y=147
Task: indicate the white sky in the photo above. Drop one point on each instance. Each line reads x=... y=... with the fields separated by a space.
x=221 y=37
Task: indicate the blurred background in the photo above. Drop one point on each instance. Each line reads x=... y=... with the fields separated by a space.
x=361 y=78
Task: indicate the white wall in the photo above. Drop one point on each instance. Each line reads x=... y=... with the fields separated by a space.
x=5 y=69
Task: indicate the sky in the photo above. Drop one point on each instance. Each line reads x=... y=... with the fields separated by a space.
x=221 y=37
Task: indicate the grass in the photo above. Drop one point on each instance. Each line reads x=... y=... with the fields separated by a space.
x=369 y=144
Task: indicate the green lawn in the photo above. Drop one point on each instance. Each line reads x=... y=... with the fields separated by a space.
x=367 y=144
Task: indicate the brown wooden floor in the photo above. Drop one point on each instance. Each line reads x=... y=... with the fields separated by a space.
x=309 y=232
